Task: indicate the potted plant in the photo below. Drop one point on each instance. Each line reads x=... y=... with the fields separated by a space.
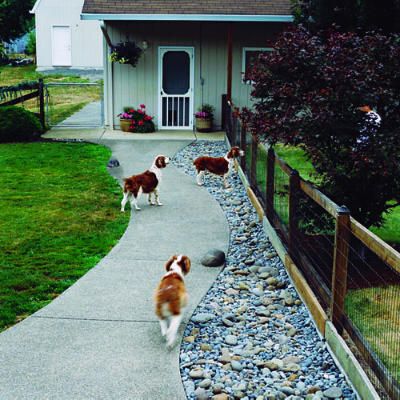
x=204 y=118
x=136 y=120
x=126 y=53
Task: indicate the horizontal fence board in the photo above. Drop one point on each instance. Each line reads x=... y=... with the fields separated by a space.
x=325 y=202
x=307 y=294
x=284 y=167
x=20 y=99
x=384 y=251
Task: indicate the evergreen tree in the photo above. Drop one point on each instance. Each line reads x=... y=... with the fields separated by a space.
x=15 y=18
x=348 y=15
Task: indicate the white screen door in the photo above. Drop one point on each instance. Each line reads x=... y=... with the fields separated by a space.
x=176 y=87
x=61 y=46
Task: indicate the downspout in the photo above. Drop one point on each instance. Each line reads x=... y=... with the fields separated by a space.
x=229 y=64
x=108 y=79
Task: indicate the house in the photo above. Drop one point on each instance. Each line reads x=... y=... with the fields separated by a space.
x=63 y=39
x=194 y=53
x=17 y=46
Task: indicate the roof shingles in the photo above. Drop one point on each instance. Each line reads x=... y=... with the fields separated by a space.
x=220 y=7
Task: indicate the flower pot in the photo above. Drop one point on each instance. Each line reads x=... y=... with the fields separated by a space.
x=125 y=125
x=204 y=124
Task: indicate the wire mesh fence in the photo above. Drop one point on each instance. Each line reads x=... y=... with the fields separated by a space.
x=372 y=310
x=354 y=274
x=74 y=105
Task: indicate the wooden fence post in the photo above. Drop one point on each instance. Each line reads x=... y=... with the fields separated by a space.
x=340 y=265
x=41 y=104
x=234 y=129
x=224 y=105
x=294 y=186
x=228 y=121
x=243 y=146
x=269 y=203
x=253 y=167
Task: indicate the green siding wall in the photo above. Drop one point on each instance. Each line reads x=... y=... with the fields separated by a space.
x=133 y=86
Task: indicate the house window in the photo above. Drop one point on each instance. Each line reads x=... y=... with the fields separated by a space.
x=249 y=57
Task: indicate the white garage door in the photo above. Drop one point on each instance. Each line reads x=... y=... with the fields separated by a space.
x=61 y=46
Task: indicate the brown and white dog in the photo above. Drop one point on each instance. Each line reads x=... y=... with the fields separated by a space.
x=147 y=182
x=217 y=165
x=171 y=297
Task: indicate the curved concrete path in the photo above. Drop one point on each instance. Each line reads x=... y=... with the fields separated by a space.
x=100 y=339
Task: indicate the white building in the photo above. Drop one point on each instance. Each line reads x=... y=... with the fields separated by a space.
x=63 y=39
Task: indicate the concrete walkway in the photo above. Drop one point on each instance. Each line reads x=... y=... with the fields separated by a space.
x=100 y=339
x=89 y=116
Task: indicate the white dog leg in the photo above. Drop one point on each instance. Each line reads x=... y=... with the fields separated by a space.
x=134 y=200
x=124 y=201
x=173 y=329
x=151 y=202
x=163 y=326
x=134 y=203
x=200 y=178
x=157 y=198
x=225 y=177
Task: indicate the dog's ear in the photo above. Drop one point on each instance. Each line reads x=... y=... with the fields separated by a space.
x=160 y=162
x=170 y=262
x=185 y=264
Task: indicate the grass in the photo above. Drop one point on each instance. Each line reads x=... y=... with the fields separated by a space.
x=59 y=215
x=297 y=159
x=376 y=313
x=64 y=100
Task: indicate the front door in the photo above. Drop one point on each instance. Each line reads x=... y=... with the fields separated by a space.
x=61 y=46
x=176 y=87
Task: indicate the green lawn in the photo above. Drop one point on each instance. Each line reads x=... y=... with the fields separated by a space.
x=64 y=101
x=296 y=158
x=376 y=313
x=59 y=215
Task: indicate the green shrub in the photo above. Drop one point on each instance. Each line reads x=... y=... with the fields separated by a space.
x=18 y=125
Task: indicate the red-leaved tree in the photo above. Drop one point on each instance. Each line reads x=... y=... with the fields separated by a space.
x=307 y=92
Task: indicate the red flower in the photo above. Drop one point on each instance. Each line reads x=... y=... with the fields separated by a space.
x=140 y=111
x=142 y=106
x=140 y=123
x=148 y=118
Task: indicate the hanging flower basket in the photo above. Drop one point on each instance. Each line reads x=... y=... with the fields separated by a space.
x=126 y=53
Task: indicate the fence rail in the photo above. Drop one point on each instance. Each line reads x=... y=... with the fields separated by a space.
x=353 y=273
x=36 y=91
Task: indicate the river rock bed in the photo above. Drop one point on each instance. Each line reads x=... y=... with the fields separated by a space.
x=251 y=337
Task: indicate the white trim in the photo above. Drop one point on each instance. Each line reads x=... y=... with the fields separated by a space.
x=188 y=17
x=244 y=49
x=34 y=8
x=191 y=51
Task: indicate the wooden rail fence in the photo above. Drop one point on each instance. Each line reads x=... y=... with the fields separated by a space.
x=36 y=91
x=346 y=230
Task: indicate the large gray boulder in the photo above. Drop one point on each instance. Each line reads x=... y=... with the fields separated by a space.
x=213 y=258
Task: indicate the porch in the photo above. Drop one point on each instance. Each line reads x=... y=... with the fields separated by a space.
x=98 y=135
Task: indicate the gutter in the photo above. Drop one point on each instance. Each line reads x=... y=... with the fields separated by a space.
x=187 y=17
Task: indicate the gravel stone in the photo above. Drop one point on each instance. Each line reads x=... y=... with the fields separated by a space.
x=254 y=303
x=333 y=393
